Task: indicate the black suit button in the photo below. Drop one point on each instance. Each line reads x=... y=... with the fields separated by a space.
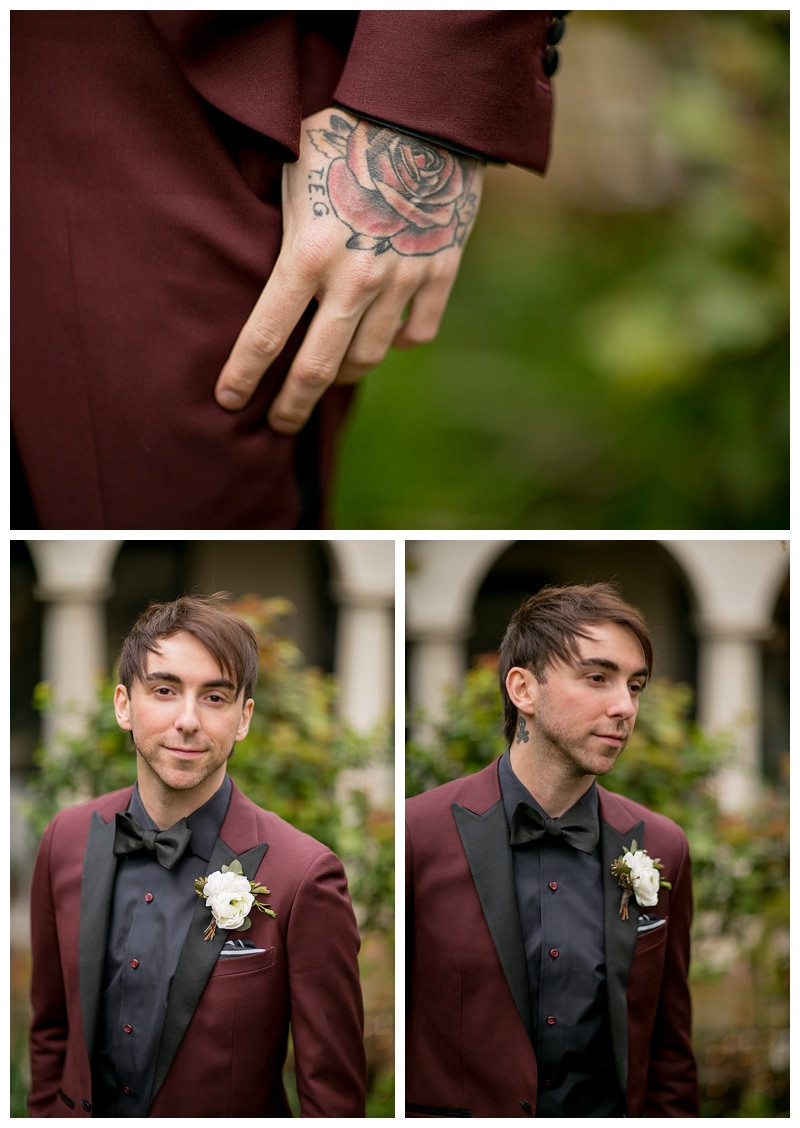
x=86 y=1105
x=555 y=32
x=550 y=62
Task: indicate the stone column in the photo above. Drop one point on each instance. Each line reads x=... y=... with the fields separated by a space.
x=74 y=581
x=735 y=585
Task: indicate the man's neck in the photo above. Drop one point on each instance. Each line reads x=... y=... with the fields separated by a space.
x=553 y=790
x=166 y=807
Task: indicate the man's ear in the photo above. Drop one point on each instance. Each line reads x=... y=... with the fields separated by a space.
x=523 y=689
x=244 y=723
x=122 y=707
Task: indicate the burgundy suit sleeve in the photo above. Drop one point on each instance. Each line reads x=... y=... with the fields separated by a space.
x=474 y=79
x=48 y=998
x=672 y=1078
x=325 y=995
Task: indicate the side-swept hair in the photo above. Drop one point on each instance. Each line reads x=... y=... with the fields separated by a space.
x=227 y=638
x=546 y=627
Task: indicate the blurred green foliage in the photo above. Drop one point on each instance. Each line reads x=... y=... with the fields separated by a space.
x=298 y=760
x=610 y=364
x=740 y=869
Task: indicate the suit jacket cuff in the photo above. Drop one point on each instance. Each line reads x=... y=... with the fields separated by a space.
x=472 y=80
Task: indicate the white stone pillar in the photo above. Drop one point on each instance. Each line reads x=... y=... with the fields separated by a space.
x=734 y=585
x=365 y=658
x=363 y=586
x=730 y=701
x=443 y=579
x=74 y=581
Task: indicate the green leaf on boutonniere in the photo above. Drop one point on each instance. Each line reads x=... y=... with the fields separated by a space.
x=234 y=867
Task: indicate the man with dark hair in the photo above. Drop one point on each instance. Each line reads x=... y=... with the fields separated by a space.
x=548 y=919
x=145 y=1002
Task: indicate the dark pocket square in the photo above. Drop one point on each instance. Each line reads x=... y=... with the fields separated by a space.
x=237 y=948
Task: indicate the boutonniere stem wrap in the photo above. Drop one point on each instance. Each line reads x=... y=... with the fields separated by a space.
x=638 y=874
x=231 y=897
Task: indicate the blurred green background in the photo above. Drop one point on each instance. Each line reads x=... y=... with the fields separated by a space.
x=616 y=351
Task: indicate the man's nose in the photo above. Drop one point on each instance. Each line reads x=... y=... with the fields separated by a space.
x=187 y=719
x=623 y=704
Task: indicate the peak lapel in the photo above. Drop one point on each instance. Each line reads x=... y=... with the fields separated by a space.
x=485 y=841
x=97 y=887
x=197 y=960
x=620 y=940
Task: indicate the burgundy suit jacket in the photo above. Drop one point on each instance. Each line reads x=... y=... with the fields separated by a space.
x=224 y=1039
x=147 y=151
x=469 y=1027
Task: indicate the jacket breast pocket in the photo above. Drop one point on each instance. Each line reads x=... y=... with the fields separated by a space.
x=243 y=965
x=651 y=940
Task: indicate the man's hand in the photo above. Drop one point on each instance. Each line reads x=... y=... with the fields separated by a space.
x=375 y=222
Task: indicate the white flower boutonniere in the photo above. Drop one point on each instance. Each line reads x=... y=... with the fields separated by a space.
x=230 y=896
x=638 y=873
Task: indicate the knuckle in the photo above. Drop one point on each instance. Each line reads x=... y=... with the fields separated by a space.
x=264 y=341
x=312 y=376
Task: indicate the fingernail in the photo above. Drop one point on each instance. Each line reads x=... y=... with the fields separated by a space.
x=229 y=399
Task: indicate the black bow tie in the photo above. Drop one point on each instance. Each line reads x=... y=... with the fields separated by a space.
x=168 y=845
x=579 y=828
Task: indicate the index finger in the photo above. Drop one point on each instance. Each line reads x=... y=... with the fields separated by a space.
x=280 y=306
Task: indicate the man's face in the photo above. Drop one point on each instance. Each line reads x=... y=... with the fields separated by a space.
x=584 y=712
x=185 y=718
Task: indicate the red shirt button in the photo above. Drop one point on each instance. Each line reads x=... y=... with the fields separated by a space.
x=134 y=964
x=148 y=897
x=554 y=953
x=128 y=1028
x=553 y=885
x=551 y=1021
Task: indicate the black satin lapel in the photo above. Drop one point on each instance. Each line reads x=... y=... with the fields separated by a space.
x=196 y=961
x=97 y=887
x=620 y=940
x=485 y=841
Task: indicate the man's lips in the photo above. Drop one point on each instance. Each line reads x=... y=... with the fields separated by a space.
x=187 y=752
x=615 y=738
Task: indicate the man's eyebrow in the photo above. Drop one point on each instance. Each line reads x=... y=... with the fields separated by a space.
x=217 y=683
x=608 y=664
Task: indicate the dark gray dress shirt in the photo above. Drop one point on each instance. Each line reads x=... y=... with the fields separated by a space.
x=560 y=899
x=151 y=912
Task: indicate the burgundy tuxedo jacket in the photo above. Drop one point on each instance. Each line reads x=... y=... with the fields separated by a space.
x=224 y=1039
x=469 y=1026
x=146 y=157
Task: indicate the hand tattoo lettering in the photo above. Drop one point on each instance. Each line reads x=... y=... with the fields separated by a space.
x=393 y=191
x=522 y=734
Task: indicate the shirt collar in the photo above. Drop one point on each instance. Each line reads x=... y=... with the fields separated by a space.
x=514 y=791
x=205 y=823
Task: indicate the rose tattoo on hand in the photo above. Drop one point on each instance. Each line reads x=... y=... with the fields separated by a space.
x=394 y=191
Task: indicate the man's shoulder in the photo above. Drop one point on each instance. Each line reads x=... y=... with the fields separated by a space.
x=624 y=813
x=80 y=813
x=276 y=830
x=477 y=792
